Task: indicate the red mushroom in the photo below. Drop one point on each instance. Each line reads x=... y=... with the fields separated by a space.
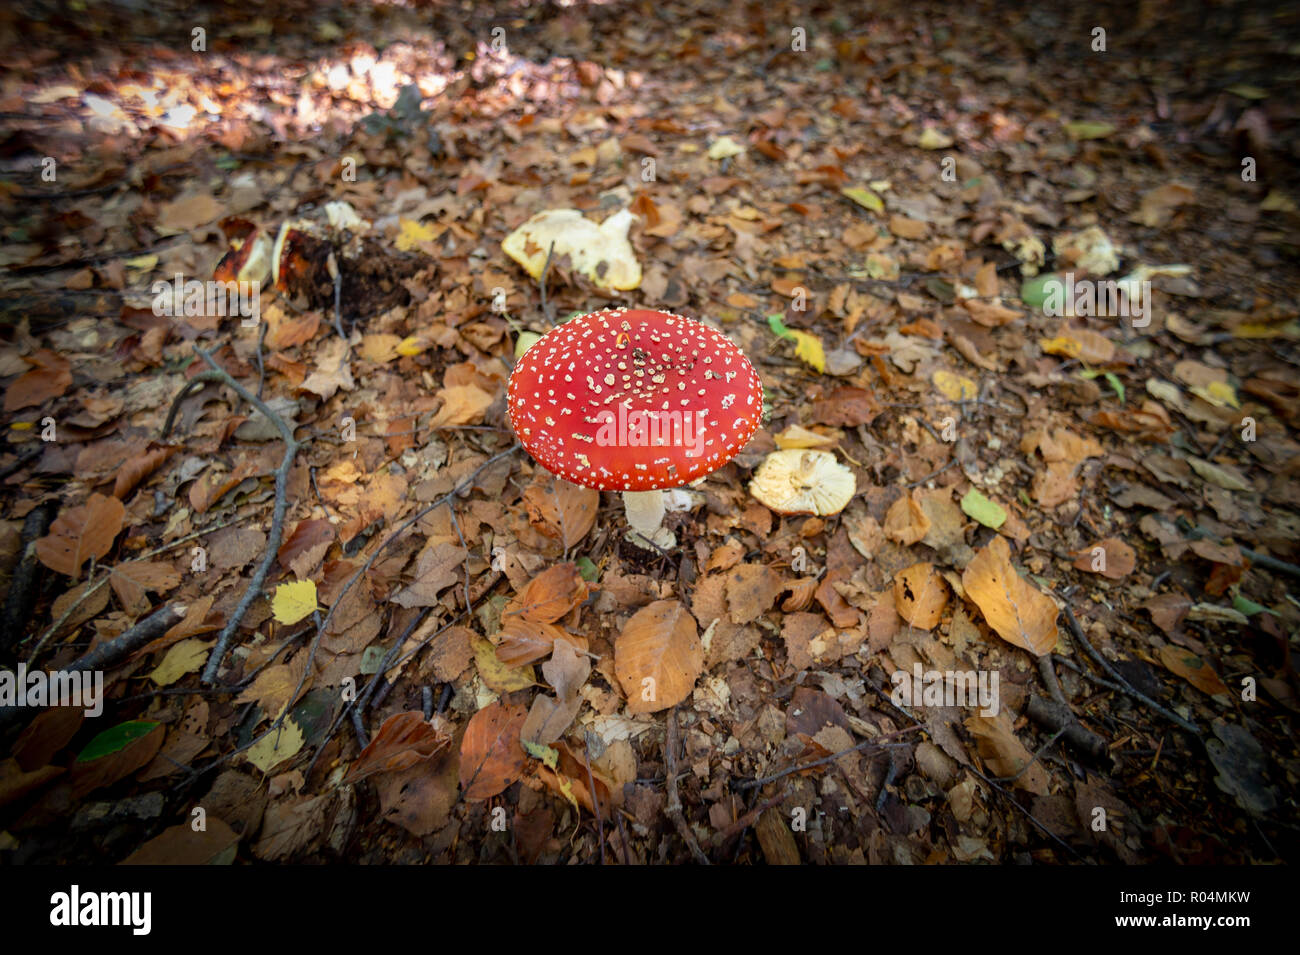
x=637 y=401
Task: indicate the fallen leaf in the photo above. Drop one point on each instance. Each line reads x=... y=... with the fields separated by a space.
x=491 y=757
x=81 y=533
x=403 y=740
x=294 y=601
x=658 y=657
x=1193 y=669
x=1017 y=611
x=920 y=596
x=49 y=378
x=1111 y=558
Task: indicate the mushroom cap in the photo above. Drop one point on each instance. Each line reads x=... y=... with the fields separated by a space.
x=634 y=400
x=802 y=481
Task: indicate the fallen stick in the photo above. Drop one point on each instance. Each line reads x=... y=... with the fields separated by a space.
x=1123 y=683
x=112 y=652
x=673 y=809
x=217 y=373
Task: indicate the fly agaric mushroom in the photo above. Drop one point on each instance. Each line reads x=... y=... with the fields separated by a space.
x=637 y=401
x=800 y=481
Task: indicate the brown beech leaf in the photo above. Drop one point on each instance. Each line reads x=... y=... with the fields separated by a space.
x=550 y=595
x=1003 y=753
x=1193 y=669
x=491 y=757
x=80 y=533
x=436 y=569
x=522 y=641
x=751 y=590
x=306 y=546
x=658 y=657
x=905 y=522
x=561 y=510
x=49 y=378
x=1111 y=558
x=404 y=740
x=1017 y=611
x=920 y=596
x=132 y=580
x=136 y=469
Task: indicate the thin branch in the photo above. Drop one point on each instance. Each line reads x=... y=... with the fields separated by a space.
x=673 y=809
x=254 y=590
x=1124 y=684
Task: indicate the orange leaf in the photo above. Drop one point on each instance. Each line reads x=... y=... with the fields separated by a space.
x=658 y=657
x=1019 y=612
x=136 y=469
x=49 y=379
x=404 y=740
x=81 y=533
x=905 y=522
x=920 y=596
x=550 y=595
x=490 y=755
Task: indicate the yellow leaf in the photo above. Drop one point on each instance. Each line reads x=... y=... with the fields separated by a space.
x=410 y=347
x=931 y=138
x=276 y=746
x=498 y=676
x=955 y=387
x=809 y=348
x=725 y=147
x=865 y=198
x=1218 y=393
x=1061 y=345
x=182 y=658
x=412 y=234
x=294 y=601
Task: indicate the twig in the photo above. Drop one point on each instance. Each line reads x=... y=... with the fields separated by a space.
x=85 y=594
x=112 y=651
x=337 y=276
x=22 y=584
x=1123 y=683
x=673 y=809
x=1037 y=754
x=996 y=786
x=934 y=474
x=753 y=783
x=261 y=368
x=1057 y=715
x=320 y=631
x=595 y=802
x=749 y=818
x=277 y=514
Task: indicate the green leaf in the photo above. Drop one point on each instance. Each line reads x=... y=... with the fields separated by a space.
x=587 y=569
x=118 y=738
x=1034 y=292
x=778 y=327
x=1247 y=606
x=989 y=513
x=1116 y=384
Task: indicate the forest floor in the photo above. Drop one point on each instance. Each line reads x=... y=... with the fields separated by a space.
x=1100 y=510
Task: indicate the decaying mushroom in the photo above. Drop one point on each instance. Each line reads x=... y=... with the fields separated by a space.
x=803 y=481
x=637 y=401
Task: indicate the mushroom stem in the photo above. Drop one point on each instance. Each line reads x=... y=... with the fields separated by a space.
x=645 y=511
